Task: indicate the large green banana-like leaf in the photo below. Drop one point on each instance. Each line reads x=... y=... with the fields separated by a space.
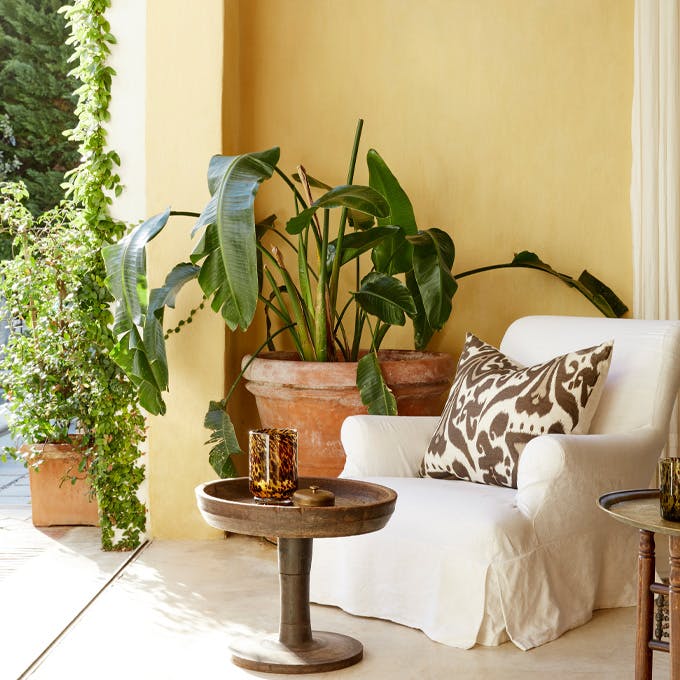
x=140 y=351
x=223 y=439
x=216 y=168
x=589 y=286
x=422 y=331
x=154 y=335
x=354 y=244
x=129 y=354
x=394 y=254
x=229 y=270
x=594 y=290
x=385 y=297
x=125 y=263
x=353 y=196
x=433 y=255
x=375 y=394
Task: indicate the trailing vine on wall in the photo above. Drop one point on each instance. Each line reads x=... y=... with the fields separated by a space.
x=112 y=414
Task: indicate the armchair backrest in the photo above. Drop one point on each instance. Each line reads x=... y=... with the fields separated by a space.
x=644 y=376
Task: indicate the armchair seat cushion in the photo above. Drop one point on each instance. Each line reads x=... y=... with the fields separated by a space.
x=451 y=561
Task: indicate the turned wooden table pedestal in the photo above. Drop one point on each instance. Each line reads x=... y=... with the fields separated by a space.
x=640 y=508
x=360 y=507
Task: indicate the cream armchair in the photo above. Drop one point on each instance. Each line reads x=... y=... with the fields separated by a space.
x=473 y=564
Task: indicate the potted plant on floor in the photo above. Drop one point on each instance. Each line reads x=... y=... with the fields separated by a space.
x=43 y=365
x=239 y=264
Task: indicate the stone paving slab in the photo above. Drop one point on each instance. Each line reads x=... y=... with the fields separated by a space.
x=174 y=610
x=14 y=483
x=47 y=577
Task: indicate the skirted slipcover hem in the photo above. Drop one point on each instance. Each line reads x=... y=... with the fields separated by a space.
x=530 y=599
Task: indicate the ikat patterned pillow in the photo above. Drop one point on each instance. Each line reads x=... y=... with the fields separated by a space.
x=496 y=406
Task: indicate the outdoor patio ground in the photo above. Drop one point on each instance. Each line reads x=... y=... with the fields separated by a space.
x=68 y=610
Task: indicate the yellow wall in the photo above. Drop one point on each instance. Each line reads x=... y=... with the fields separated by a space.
x=184 y=128
x=506 y=121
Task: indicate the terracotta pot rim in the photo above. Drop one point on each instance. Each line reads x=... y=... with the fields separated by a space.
x=385 y=355
x=50 y=450
x=398 y=366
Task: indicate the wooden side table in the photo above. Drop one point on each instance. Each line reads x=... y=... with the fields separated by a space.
x=640 y=508
x=360 y=507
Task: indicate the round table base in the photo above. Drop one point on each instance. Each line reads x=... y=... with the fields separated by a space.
x=326 y=652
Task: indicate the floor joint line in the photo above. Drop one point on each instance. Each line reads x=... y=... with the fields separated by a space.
x=33 y=666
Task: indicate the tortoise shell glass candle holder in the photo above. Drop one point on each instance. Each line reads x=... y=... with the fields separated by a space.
x=669 y=488
x=272 y=464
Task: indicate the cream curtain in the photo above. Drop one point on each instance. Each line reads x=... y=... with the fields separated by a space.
x=655 y=180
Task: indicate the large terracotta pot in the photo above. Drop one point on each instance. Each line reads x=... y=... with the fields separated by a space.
x=316 y=397
x=54 y=499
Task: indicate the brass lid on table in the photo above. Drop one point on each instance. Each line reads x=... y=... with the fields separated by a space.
x=314 y=497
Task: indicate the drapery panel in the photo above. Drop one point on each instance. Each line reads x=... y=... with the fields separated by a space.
x=655 y=177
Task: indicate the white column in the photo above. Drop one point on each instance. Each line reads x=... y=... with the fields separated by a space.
x=127 y=128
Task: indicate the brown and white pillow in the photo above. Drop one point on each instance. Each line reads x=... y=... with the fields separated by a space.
x=496 y=406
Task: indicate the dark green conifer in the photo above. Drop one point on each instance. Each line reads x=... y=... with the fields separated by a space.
x=36 y=95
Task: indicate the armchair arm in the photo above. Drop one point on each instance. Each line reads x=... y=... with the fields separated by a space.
x=564 y=475
x=387 y=446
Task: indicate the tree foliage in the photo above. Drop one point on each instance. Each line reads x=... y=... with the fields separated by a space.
x=37 y=98
x=57 y=367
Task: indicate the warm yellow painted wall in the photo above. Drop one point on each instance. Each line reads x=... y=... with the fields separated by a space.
x=507 y=122
x=184 y=128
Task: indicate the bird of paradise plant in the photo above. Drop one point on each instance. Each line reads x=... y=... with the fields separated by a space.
x=239 y=266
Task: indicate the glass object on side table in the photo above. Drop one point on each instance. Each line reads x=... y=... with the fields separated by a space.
x=272 y=464
x=669 y=488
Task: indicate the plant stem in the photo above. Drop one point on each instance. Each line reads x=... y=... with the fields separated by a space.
x=291 y=185
x=184 y=213
x=335 y=275
x=320 y=333
x=358 y=329
x=295 y=303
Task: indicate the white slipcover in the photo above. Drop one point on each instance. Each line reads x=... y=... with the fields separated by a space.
x=473 y=564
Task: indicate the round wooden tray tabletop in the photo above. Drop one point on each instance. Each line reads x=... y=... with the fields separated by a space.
x=360 y=507
x=639 y=508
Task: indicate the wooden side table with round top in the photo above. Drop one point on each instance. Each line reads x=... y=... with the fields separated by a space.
x=640 y=508
x=360 y=507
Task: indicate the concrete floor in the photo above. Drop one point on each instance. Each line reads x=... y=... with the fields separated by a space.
x=71 y=611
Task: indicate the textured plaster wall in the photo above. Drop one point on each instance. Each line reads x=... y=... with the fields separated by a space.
x=184 y=128
x=506 y=121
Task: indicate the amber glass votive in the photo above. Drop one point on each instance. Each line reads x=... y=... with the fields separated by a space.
x=272 y=464
x=669 y=488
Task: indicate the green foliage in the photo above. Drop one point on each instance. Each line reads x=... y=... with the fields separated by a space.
x=59 y=372
x=238 y=266
x=222 y=438
x=113 y=412
x=9 y=162
x=36 y=95
x=44 y=361
x=374 y=392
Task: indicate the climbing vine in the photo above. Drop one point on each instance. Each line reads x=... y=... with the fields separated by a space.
x=111 y=412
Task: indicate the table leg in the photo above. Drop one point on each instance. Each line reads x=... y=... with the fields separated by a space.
x=645 y=606
x=295 y=561
x=297 y=649
x=674 y=607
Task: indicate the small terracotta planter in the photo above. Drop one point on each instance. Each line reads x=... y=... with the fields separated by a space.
x=316 y=397
x=54 y=499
